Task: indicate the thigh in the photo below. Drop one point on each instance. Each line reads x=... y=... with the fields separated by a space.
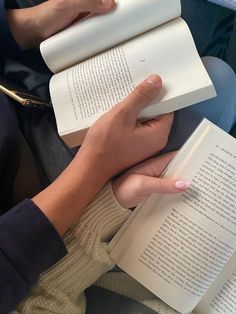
x=220 y=110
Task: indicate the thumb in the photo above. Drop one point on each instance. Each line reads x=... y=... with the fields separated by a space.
x=164 y=186
x=141 y=96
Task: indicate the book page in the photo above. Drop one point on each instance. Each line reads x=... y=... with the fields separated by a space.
x=98 y=33
x=221 y=297
x=177 y=245
x=84 y=92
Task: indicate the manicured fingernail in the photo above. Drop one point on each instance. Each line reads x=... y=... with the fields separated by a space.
x=154 y=80
x=105 y=2
x=182 y=185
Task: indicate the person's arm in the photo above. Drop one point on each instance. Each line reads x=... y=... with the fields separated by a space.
x=48 y=18
x=87 y=240
x=29 y=244
x=26 y=28
x=115 y=142
x=62 y=286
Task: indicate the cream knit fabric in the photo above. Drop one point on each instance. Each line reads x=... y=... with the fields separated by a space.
x=60 y=290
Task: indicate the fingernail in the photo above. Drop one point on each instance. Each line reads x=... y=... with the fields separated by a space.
x=105 y=2
x=154 y=80
x=182 y=185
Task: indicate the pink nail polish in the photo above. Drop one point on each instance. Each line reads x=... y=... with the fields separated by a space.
x=182 y=185
x=105 y=2
x=154 y=80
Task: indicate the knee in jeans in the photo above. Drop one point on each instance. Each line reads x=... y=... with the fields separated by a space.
x=221 y=73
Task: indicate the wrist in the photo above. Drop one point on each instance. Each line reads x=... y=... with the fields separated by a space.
x=93 y=162
x=64 y=200
x=20 y=22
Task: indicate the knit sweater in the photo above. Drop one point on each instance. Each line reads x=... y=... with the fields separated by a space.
x=60 y=290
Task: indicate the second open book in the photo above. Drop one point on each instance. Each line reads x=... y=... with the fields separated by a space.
x=182 y=247
x=153 y=39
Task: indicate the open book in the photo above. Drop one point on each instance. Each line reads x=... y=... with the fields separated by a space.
x=92 y=76
x=182 y=247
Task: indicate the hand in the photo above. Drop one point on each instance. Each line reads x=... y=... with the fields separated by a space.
x=32 y=25
x=137 y=184
x=117 y=140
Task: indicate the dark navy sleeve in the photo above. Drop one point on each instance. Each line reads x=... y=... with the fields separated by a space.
x=29 y=245
x=8 y=45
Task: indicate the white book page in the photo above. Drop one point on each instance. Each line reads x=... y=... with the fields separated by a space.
x=84 y=92
x=176 y=248
x=98 y=33
x=221 y=297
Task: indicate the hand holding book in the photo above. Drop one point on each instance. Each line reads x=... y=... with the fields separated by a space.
x=135 y=141
x=99 y=60
x=50 y=17
x=114 y=143
x=182 y=246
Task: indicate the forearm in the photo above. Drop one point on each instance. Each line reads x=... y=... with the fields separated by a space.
x=35 y=20
x=20 y=22
x=48 y=18
x=64 y=200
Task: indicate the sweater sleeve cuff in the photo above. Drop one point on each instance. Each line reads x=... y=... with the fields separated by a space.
x=105 y=215
x=29 y=240
x=8 y=44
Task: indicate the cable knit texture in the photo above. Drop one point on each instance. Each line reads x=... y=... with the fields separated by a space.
x=60 y=290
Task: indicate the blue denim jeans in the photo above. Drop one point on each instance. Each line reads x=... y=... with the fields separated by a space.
x=220 y=110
